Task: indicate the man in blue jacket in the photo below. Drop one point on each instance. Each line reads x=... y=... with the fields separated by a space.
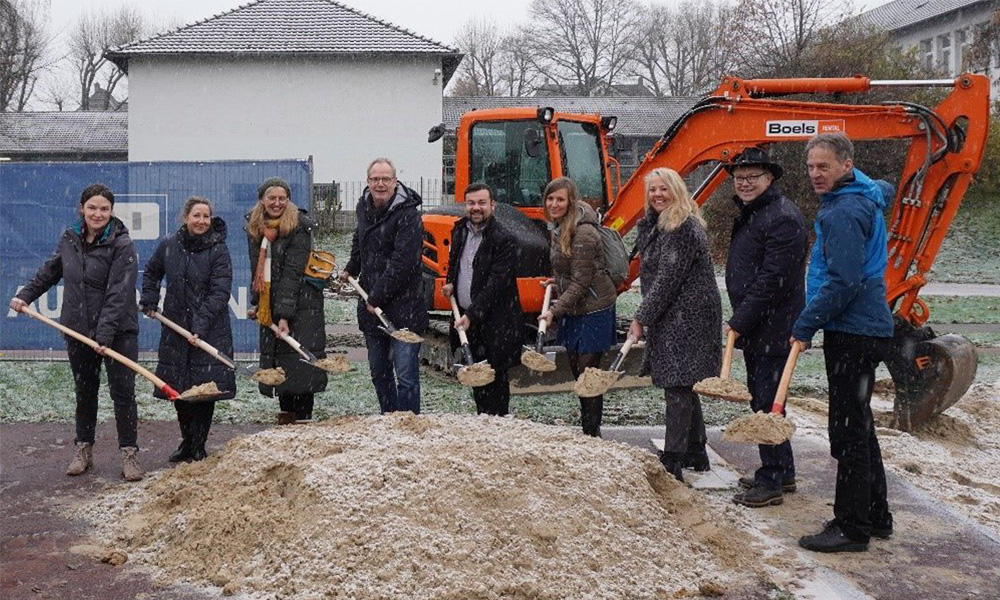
x=845 y=296
x=385 y=257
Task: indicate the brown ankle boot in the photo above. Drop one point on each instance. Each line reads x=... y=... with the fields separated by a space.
x=131 y=471
x=83 y=460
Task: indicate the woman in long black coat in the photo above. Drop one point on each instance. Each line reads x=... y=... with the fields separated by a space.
x=295 y=302
x=199 y=274
x=680 y=313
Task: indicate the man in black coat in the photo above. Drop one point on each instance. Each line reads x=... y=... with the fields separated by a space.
x=482 y=274
x=766 y=286
x=385 y=257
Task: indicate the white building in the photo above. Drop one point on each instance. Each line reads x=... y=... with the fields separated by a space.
x=278 y=79
x=941 y=30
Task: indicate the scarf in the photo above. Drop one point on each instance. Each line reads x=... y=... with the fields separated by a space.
x=262 y=274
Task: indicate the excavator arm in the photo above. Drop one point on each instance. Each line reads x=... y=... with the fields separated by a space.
x=946 y=148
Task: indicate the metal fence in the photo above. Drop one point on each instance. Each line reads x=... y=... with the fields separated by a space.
x=344 y=195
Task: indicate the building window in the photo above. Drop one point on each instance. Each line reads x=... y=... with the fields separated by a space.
x=944 y=52
x=962 y=42
x=927 y=54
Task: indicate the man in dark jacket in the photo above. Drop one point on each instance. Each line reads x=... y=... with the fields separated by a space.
x=765 y=282
x=482 y=264
x=385 y=252
x=845 y=297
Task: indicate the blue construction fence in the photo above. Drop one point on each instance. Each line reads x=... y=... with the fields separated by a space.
x=38 y=201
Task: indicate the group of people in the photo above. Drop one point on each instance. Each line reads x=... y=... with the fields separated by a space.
x=680 y=315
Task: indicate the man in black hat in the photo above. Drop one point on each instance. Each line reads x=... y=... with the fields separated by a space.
x=766 y=286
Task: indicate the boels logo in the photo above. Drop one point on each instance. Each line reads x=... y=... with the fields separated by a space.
x=804 y=128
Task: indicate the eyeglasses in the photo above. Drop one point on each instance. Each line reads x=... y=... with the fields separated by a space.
x=751 y=179
x=380 y=179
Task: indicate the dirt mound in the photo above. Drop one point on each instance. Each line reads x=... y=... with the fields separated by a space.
x=427 y=507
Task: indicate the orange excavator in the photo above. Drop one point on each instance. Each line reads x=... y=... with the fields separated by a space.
x=518 y=150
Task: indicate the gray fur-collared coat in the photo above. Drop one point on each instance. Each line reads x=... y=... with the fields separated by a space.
x=681 y=309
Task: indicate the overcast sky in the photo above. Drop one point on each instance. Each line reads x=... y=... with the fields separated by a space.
x=436 y=19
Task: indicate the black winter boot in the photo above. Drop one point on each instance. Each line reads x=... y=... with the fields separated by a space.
x=673 y=462
x=183 y=452
x=591 y=413
x=697 y=461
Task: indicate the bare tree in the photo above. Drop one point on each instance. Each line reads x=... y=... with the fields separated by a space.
x=583 y=43
x=772 y=36
x=91 y=37
x=23 y=45
x=481 y=40
x=682 y=52
x=984 y=53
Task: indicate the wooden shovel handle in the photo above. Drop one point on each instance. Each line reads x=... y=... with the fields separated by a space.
x=727 y=356
x=786 y=378
x=159 y=383
x=364 y=296
x=461 y=332
x=187 y=335
x=543 y=325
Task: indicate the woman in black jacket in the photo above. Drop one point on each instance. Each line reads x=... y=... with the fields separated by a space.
x=96 y=261
x=199 y=274
x=295 y=303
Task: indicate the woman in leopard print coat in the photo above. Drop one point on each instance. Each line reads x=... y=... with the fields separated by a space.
x=680 y=313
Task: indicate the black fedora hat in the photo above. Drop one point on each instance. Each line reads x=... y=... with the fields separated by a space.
x=755 y=157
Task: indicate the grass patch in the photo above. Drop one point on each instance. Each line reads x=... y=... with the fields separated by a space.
x=963 y=257
x=963 y=309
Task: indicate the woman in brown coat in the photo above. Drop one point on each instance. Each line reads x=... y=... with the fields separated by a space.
x=680 y=313
x=585 y=306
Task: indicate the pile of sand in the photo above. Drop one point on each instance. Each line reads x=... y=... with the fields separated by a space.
x=336 y=363
x=537 y=362
x=476 y=375
x=723 y=388
x=594 y=382
x=401 y=506
x=759 y=428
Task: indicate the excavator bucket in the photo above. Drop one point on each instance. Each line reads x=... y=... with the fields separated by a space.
x=931 y=373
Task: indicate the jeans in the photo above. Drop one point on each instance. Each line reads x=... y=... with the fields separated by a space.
x=763 y=376
x=86 y=367
x=395 y=369
x=860 y=502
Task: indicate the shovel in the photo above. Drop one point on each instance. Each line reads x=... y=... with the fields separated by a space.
x=533 y=358
x=595 y=382
x=772 y=427
x=403 y=335
x=211 y=350
x=470 y=374
x=723 y=386
x=161 y=385
x=306 y=355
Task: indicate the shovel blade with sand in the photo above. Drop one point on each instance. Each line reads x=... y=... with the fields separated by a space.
x=331 y=364
x=534 y=358
x=161 y=385
x=471 y=374
x=210 y=350
x=403 y=335
x=595 y=382
x=723 y=386
x=772 y=427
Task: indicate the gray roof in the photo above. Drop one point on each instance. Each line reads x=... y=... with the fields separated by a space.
x=81 y=132
x=637 y=117
x=289 y=27
x=899 y=14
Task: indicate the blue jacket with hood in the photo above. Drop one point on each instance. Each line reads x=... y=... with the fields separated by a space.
x=845 y=284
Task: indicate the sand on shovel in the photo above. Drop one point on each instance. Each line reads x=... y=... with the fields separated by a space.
x=269 y=376
x=337 y=363
x=759 y=428
x=476 y=375
x=726 y=388
x=407 y=336
x=396 y=506
x=594 y=382
x=204 y=389
x=537 y=362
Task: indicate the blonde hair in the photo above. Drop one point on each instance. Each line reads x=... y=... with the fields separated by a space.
x=680 y=208
x=568 y=226
x=287 y=222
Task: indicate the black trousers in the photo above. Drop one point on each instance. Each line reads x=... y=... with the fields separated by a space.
x=300 y=404
x=685 y=424
x=86 y=367
x=860 y=501
x=195 y=420
x=763 y=377
x=493 y=398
